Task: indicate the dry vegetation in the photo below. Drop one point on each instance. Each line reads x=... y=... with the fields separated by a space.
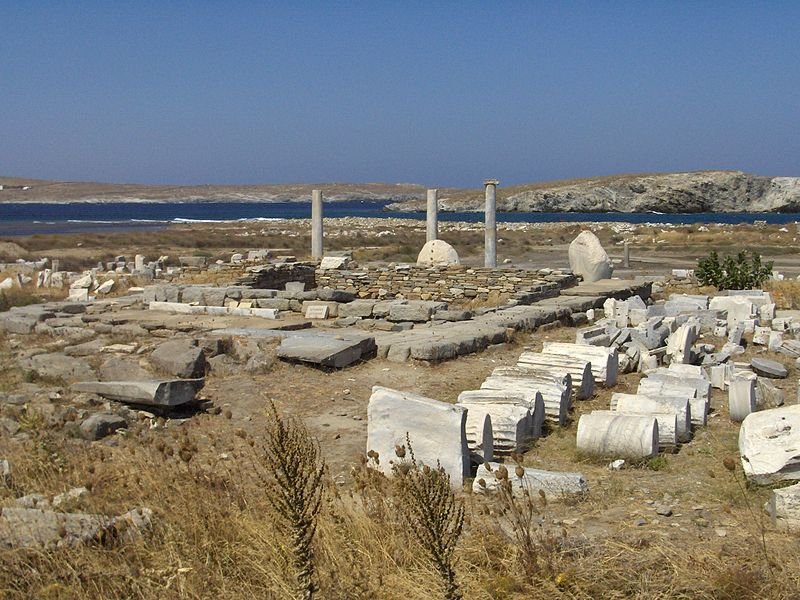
x=214 y=539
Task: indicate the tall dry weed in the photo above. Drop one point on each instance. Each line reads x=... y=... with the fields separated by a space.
x=294 y=469
x=432 y=514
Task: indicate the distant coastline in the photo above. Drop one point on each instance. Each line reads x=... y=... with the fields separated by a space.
x=18 y=219
x=698 y=192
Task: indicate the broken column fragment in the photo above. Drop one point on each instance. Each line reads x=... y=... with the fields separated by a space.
x=532 y=481
x=769 y=444
x=437 y=431
x=617 y=436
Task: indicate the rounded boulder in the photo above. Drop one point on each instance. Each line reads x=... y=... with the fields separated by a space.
x=588 y=259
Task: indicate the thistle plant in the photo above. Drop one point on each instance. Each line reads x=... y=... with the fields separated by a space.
x=537 y=550
x=294 y=479
x=433 y=515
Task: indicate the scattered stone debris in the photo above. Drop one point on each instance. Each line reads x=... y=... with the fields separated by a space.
x=43 y=528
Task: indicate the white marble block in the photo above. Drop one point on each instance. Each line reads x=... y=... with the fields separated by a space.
x=742 y=396
x=437 y=431
x=639 y=403
x=769 y=444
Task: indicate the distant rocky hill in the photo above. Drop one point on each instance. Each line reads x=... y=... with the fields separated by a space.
x=706 y=191
x=703 y=191
x=33 y=190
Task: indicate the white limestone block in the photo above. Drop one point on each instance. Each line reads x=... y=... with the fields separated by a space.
x=510 y=429
x=480 y=436
x=784 y=507
x=329 y=263
x=739 y=307
x=105 y=287
x=766 y=312
x=742 y=396
x=769 y=444
x=768 y=395
x=172 y=307
x=667 y=425
x=265 y=313
x=775 y=341
x=316 y=311
x=698 y=405
x=604 y=361
x=78 y=295
x=84 y=282
x=555 y=394
x=437 y=252
x=761 y=335
x=530 y=401
x=579 y=370
x=679 y=344
x=437 y=431
x=700 y=383
x=720 y=376
x=588 y=259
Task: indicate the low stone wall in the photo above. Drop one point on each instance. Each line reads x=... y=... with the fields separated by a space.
x=275 y=276
x=447 y=284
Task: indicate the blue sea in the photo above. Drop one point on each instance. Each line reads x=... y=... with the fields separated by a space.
x=17 y=219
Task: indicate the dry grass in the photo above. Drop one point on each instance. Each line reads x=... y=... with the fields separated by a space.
x=214 y=538
x=785 y=294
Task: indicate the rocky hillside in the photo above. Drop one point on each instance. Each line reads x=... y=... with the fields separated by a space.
x=33 y=190
x=706 y=191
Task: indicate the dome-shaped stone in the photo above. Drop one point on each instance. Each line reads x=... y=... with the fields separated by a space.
x=438 y=252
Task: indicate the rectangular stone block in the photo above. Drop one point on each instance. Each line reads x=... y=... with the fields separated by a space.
x=331 y=309
x=436 y=430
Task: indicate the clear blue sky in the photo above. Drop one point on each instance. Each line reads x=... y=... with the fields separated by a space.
x=436 y=93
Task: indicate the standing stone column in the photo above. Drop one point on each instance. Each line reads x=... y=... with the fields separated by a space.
x=626 y=255
x=490 y=243
x=316 y=223
x=433 y=215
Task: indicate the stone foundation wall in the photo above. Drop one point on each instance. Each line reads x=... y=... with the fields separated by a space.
x=447 y=283
x=276 y=276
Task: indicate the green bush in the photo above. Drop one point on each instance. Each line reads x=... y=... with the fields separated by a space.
x=742 y=272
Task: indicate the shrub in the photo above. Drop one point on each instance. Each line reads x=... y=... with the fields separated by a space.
x=742 y=272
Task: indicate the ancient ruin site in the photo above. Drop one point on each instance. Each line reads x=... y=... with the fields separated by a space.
x=391 y=408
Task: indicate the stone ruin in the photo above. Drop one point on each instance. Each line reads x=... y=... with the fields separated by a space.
x=337 y=313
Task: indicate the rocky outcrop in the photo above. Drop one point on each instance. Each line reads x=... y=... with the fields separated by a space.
x=702 y=191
